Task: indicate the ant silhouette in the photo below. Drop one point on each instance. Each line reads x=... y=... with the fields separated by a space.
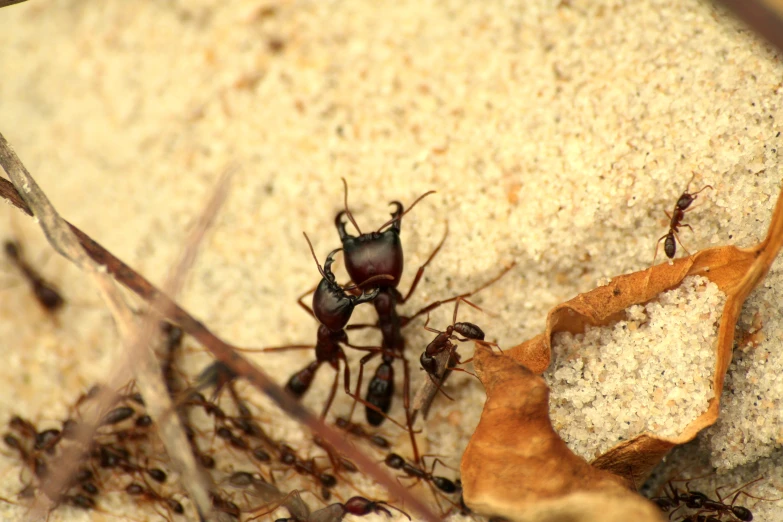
x=675 y=221
x=45 y=293
x=720 y=507
x=445 y=485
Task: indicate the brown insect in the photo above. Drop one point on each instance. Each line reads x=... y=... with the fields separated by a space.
x=670 y=239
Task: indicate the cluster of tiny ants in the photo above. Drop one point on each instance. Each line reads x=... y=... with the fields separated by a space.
x=126 y=456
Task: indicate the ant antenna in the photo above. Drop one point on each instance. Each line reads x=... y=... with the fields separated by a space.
x=384 y=503
x=397 y=218
x=691 y=181
x=348 y=212
x=320 y=268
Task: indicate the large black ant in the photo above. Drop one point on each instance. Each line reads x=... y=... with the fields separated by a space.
x=377 y=252
x=332 y=307
x=366 y=255
x=45 y=293
x=675 y=221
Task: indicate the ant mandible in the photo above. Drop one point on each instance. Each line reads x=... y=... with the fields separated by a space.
x=675 y=221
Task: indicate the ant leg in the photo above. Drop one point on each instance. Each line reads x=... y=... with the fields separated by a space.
x=433 y=330
x=436 y=461
x=455 y=369
x=373 y=407
x=680 y=242
x=285 y=348
x=420 y=271
x=407 y=407
x=364 y=360
x=657 y=244
x=333 y=391
x=360 y=326
x=432 y=306
x=739 y=491
x=304 y=306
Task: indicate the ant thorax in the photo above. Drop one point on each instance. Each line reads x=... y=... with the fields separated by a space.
x=373 y=254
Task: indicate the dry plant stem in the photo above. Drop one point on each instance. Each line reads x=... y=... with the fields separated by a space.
x=139 y=353
x=227 y=354
x=63 y=240
x=149 y=377
x=429 y=388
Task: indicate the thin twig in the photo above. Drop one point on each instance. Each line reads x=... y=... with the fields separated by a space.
x=431 y=385
x=227 y=354
x=6 y=3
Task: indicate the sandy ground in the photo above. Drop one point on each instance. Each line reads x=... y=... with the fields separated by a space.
x=556 y=134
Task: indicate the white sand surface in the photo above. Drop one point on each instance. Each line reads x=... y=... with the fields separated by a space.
x=556 y=134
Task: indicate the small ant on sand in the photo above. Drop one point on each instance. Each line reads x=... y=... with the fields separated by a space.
x=442 y=341
x=675 y=221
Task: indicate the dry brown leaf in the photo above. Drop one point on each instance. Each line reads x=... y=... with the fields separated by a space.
x=517 y=467
x=734 y=270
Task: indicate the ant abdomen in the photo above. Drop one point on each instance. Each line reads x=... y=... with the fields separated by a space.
x=669 y=246
x=444 y=484
x=300 y=382
x=469 y=330
x=379 y=393
x=394 y=461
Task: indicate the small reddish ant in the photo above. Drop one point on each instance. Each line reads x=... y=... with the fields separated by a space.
x=442 y=341
x=675 y=221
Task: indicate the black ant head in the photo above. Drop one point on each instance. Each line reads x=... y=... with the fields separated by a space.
x=374 y=253
x=331 y=305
